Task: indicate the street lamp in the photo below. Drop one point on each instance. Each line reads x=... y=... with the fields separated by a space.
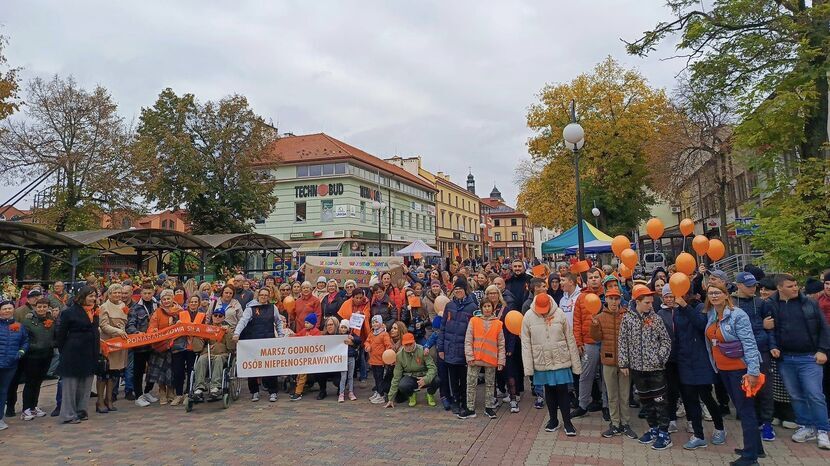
x=574 y=137
x=379 y=207
x=482 y=225
x=595 y=212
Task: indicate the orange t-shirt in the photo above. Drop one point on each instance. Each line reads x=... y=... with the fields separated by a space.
x=723 y=363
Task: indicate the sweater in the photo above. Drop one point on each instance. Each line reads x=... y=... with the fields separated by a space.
x=644 y=344
x=415 y=364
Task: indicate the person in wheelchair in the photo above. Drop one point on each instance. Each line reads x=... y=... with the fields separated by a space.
x=219 y=351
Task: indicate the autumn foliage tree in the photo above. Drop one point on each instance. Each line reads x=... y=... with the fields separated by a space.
x=9 y=86
x=621 y=114
x=201 y=157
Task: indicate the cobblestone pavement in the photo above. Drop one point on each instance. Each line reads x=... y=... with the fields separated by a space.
x=326 y=432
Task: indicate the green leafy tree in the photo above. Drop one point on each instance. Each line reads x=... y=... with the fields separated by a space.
x=203 y=158
x=621 y=113
x=78 y=137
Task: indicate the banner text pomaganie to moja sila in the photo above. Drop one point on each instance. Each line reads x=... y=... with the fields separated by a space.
x=291 y=355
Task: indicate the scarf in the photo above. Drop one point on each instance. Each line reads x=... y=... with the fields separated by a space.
x=91 y=311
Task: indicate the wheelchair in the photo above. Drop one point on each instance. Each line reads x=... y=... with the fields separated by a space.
x=229 y=390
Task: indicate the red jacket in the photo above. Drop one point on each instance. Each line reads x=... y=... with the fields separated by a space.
x=304 y=307
x=824 y=305
x=307 y=333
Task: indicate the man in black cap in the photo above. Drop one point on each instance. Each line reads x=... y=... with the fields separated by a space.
x=28 y=308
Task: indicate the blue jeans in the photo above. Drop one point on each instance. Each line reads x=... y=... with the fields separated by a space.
x=803 y=377
x=745 y=410
x=6 y=376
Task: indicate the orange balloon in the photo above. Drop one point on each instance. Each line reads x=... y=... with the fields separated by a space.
x=625 y=272
x=687 y=226
x=619 y=244
x=700 y=244
x=685 y=263
x=592 y=303
x=289 y=303
x=655 y=228
x=679 y=284
x=716 y=250
x=389 y=356
x=629 y=258
x=513 y=322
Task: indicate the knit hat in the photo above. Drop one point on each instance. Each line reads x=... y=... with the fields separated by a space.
x=408 y=339
x=311 y=319
x=377 y=319
x=34 y=293
x=460 y=282
x=767 y=283
x=667 y=290
x=4 y=301
x=436 y=322
x=321 y=279
x=813 y=285
x=434 y=282
x=350 y=282
x=345 y=323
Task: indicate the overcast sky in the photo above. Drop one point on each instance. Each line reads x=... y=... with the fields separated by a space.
x=448 y=80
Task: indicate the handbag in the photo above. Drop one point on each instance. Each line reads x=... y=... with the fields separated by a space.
x=732 y=349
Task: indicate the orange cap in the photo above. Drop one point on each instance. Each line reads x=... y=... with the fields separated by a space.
x=542 y=303
x=408 y=339
x=640 y=291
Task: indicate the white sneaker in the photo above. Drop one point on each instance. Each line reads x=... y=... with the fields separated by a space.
x=514 y=406
x=198 y=392
x=272 y=398
x=3 y=425
x=27 y=415
x=804 y=434
x=823 y=440
x=142 y=402
x=39 y=412
x=214 y=391
x=672 y=427
x=150 y=397
x=254 y=397
x=374 y=395
x=789 y=425
x=378 y=400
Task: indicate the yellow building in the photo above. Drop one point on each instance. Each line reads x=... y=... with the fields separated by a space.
x=457 y=211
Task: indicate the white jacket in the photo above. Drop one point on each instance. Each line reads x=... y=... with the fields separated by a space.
x=548 y=342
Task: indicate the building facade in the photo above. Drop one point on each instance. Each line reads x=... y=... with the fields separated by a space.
x=457 y=211
x=511 y=233
x=335 y=199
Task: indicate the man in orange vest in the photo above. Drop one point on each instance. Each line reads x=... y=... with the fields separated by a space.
x=483 y=347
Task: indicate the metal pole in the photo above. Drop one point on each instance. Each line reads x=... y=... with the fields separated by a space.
x=579 y=235
x=380 y=247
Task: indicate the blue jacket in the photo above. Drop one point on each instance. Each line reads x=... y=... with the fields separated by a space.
x=693 y=365
x=735 y=325
x=454 y=329
x=757 y=311
x=11 y=343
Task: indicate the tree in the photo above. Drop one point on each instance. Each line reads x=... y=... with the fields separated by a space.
x=620 y=114
x=772 y=57
x=202 y=157
x=78 y=138
x=769 y=54
x=8 y=85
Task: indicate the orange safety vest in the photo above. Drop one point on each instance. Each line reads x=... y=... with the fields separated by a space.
x=184 y=317
x=486 y=344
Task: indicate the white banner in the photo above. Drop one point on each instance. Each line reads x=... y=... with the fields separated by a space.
x=291 y=355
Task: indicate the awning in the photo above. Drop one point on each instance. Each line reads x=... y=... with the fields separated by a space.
x=567 y=239
x=315 y=246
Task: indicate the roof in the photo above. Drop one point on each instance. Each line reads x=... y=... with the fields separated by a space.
x=453 y=186
x=321 y=147
x=139 y=238
x=500 y=209
x=31 y=236
x=243 y=241
x=569 y=238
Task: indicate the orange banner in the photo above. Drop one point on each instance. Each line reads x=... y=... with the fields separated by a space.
x=179 y=329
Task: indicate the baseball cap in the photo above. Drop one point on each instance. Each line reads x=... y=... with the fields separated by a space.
x=613 y=292
x=321 y=279
x=408 y=339
x=640 y=291
x=717 y=273
x=746 y=279
x=542 y=303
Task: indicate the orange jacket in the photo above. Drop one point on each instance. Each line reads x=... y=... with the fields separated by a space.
x=346 y=311
x=376 y=345
x=160 y=320
x=304 y=307
x=582 y=320
x=397 y=297
x=307 y=333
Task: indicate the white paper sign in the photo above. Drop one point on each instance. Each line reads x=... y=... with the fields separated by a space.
x=356 y=320
x=291 y=355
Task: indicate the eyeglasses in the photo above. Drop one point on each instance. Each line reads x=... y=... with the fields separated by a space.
x=715 y=293
x=218 y=315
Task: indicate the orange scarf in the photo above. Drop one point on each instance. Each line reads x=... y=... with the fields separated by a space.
x=91 y=312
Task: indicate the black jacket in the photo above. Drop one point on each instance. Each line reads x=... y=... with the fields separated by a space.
x=331 y=308
x=78 y=341
x=519 y=285
x=818 y=331
x=757 y=312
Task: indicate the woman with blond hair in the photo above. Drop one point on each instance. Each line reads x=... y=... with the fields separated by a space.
x=112 y=324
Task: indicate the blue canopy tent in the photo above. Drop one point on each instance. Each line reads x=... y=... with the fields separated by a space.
x=594 y=247
x=569 y=239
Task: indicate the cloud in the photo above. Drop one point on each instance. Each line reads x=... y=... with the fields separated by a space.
x=450 y=81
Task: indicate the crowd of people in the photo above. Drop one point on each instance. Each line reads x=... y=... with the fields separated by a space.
x=760 y=342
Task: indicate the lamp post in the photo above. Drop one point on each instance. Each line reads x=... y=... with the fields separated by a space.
x=574 y=137
x=379 y=207
x=595 y=212
x=482 y=225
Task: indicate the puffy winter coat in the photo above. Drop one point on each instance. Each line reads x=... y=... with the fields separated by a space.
x=644 y=343
x=548 y=342
x=454 y=329
x=11 y=343
x=41 y=334
x=692 y=354
x=605 y=330
x=582 y=319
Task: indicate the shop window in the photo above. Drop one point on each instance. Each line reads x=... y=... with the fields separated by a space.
x=299 y=212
